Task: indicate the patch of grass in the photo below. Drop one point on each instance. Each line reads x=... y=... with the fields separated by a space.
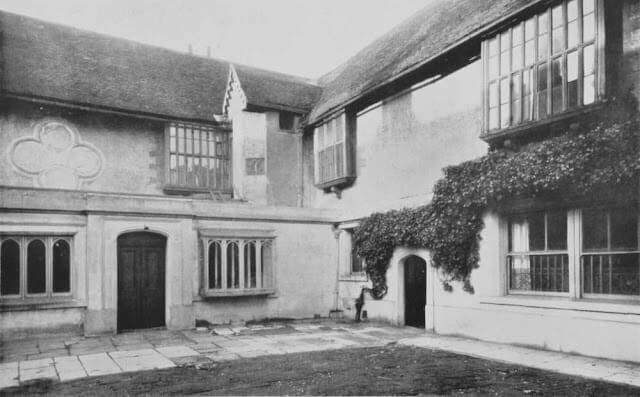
x=392 y=370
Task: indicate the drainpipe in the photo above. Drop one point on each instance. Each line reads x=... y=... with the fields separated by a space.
x=336 y=292
x=299 y=143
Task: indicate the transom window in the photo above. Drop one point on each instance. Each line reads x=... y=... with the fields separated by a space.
x=236 y=265
x=543 y=66
x=545 y=249
x=199 y=157
x=34 y=266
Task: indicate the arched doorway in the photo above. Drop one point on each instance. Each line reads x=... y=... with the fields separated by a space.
x=141 y=280
x=415 y=290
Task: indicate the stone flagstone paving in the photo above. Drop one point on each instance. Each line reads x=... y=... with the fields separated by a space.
x=77 y=357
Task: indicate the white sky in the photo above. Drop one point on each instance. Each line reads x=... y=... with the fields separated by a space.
x=302 y=37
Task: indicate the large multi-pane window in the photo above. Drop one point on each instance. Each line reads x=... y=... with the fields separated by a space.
x=332 y=151
x=545 y=65
x=199 y=157
x=538 y=260
x=600 y=245
x=236 y=264
x=35 y=266
x=610 y=260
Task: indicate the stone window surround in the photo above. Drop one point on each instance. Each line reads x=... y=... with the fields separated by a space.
x=75 y=234
x=265 y=239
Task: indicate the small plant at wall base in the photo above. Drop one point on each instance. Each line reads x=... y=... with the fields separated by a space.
x=578 y=164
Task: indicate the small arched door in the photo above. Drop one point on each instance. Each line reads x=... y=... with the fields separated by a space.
x=141 y=280
x=415 y=291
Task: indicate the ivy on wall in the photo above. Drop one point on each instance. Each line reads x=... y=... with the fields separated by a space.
x=577 y=163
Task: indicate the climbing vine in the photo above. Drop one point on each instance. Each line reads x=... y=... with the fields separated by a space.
x=577 y=164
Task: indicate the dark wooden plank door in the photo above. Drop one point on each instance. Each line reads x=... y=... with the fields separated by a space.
x=415 y=291
x=141 y=280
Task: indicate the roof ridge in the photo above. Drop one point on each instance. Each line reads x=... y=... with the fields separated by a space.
x=274 y=73
x=84 y=31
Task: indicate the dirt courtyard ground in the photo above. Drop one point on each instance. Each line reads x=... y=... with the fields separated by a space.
x=390 y=370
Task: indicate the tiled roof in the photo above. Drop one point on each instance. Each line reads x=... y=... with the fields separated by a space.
x=423 y=36
x=51 y=61
x=273 y=90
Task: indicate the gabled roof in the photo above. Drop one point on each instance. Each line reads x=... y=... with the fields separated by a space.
x=425 y=35
x=267 y=89
x=60 y=63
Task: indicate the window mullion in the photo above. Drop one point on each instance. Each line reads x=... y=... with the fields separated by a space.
x=565 y=51
x=205 y=259
x=241 y=263
x=546 y=231
x=498 y=80
x=549 y=64
x=580 y=54
x=23 y=266
x=48 y=266
x=259 y=244
x=223 y=265
x=599 y=52
x=609 y=231
x=484 y=54
x=573 y=245
x=534 y=70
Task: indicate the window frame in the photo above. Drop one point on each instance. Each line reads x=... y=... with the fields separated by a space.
x=608 y=251
x=597 y=41
x=264 y=241
x=545 y=251
x=343 y=130
x=346 y=254
x=49 y=295
x=223 y=172
x=575 y=250
x=281 y=116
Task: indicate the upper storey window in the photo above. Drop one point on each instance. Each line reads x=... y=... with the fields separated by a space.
x=333 y=152
x=199 y=158
x=544 y=66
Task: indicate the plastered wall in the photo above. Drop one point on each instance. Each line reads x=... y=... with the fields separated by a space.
x=127 y=153
x=404 y=142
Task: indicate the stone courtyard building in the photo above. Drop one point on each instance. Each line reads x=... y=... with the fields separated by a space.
x=142 y=187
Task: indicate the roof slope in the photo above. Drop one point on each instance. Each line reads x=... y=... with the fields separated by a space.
x=273 y=90
x=423 y=36
x=52 y=61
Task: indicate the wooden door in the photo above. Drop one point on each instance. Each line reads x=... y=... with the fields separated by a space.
x=415 y=291
x=141 y=280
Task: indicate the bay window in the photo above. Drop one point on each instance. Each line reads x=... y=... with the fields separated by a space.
x=588 y=253
x=333 y=145
x=546 y=65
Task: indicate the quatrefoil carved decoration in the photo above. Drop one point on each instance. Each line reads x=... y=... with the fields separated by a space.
x=55 y=157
